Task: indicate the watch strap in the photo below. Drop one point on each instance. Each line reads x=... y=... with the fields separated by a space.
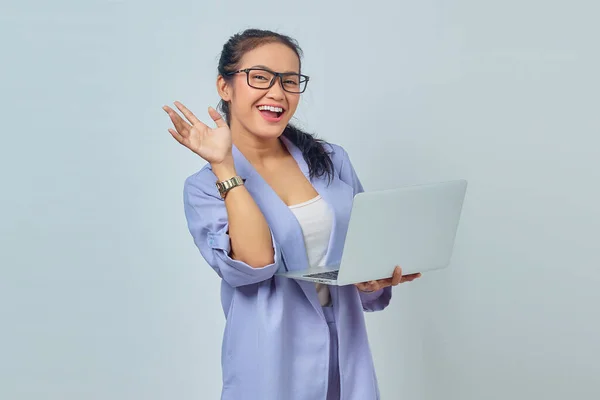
x=228 y=184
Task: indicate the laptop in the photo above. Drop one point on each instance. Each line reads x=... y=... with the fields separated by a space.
x=413 y=227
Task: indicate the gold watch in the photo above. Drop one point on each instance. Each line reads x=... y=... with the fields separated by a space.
x=227 y=185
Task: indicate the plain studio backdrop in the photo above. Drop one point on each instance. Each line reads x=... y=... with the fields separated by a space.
x=103 y=294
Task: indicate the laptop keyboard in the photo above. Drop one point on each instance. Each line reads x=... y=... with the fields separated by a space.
x=324 y=275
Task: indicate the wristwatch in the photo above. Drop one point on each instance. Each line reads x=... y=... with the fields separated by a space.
x=227 y=185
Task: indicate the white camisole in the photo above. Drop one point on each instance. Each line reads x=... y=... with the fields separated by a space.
x=316 y=220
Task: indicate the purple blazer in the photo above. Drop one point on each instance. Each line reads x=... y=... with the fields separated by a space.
x=276 y=339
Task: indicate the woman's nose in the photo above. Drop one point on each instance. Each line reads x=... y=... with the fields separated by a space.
x=276 y=91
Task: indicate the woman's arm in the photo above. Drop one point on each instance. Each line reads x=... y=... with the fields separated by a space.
x=248 y=229
x=232 y=235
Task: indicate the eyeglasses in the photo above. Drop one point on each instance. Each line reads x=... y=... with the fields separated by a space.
x=260 y=78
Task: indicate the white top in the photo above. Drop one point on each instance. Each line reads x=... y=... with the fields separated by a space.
x=316 y=220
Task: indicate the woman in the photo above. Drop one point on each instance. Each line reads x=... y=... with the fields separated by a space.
x=274 y=198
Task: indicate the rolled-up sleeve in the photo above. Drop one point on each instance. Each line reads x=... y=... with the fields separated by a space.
x=380 y=299
x=207 y=222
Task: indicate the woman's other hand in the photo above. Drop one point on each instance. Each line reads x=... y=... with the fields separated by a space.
x=397 y=278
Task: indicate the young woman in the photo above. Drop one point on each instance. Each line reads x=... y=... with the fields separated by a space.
x=274 y=198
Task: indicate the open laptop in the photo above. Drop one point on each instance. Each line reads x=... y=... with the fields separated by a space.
x=413 y=227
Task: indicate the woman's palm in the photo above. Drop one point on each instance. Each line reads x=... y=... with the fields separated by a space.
x=212 y=144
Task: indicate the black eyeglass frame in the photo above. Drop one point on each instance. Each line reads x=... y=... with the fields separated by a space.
x=279 y=75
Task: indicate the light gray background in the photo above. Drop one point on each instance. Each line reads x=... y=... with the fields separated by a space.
x=102 y=292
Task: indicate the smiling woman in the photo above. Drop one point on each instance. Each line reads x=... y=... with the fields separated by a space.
x=273 y=197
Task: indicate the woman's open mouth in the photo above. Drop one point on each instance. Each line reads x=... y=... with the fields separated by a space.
x=271 y=113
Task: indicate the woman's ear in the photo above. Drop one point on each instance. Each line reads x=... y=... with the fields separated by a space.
x=223 y=88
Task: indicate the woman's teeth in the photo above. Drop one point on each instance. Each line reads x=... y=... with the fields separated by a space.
x=270 y=108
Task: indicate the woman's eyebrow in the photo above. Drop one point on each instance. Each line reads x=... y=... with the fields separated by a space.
x=269 y=69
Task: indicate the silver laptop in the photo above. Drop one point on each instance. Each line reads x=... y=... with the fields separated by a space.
x=413 y=227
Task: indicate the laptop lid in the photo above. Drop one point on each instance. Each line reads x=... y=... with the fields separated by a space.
x=414 y=227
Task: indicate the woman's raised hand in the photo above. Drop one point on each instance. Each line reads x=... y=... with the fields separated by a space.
x=212 y=144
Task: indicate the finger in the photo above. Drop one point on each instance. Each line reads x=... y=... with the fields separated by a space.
x=397 y=277
x=176 y=135
x=188 y=114
x=361 y=286
x=381 y=283
x=182 y=126
x=370 y=286
x=214 y=114
x=410 y=278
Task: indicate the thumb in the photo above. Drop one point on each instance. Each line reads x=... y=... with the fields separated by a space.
x=214 y=114
x=397 y=276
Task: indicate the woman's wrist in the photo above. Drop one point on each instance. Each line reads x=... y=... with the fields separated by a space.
x=224 y=170
x=367 y=291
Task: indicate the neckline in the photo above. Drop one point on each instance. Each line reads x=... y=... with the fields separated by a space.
x=305 y=203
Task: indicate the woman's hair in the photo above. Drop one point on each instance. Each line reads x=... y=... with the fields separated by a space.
x=313 y=150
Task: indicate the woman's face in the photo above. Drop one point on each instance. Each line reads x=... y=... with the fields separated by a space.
x=245 y=101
